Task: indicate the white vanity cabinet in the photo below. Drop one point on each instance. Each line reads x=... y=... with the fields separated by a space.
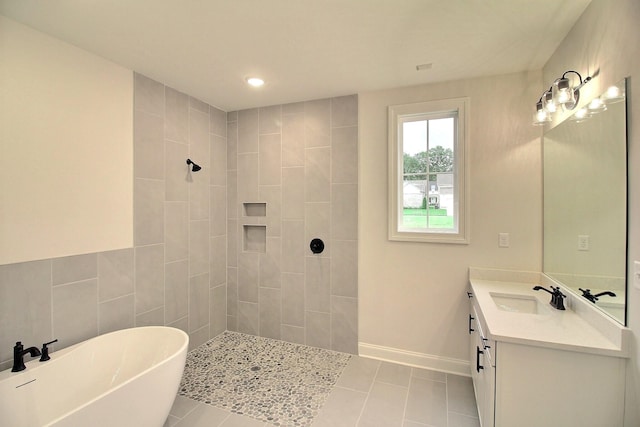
x=482 y=368
x=526 y=381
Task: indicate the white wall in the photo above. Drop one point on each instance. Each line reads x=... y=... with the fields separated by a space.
x=605 y=40
x=412 y=300
x=66 y=149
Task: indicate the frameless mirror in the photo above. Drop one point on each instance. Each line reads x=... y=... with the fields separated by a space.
x=585 y=202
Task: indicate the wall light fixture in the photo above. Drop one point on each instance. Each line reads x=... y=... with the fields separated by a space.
x=564 y=93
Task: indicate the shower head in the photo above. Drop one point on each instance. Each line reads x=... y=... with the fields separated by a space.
x=194 y=167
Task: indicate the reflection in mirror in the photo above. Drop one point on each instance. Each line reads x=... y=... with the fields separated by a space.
x=585 y=202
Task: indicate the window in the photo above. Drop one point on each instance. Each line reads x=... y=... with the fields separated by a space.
x=427 y=172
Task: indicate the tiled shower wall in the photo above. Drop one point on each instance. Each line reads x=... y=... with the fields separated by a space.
x=176 y=272
x=292 y=176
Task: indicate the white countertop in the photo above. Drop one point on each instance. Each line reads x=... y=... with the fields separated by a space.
x=559 y=329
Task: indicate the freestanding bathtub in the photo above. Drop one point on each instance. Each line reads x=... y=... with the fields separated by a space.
x=127 y=378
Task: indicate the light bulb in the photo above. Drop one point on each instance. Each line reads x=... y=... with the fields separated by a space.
x=255 y=81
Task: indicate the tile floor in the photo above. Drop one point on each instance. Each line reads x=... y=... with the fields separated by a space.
x=367 y=393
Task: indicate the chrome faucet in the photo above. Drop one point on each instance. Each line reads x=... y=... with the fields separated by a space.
x=18 y=356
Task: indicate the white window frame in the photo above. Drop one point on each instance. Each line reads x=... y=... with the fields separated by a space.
x=399 y=113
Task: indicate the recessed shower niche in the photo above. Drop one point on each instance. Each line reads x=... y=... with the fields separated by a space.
x=254 y=236
x=254 y=209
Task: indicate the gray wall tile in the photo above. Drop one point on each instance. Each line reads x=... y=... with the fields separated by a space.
x=344 y=111
x=248 y=131
x=293 y=140
x=317 y=283
x=294 y=334
x=344 y=155
x=344 y=324
x=198 y=302
x=344 y=268
x=293 y=299
x=199 y=145
x=293 y=246
x=218 y=160
x=272 y=196
x=25 y=305
x=248 y=276
x=198 y=247
x=153 y=317
x=149 y=278
x=217 y=121
x=148 y=211
x=148 y=146
x=270 y=261
x=270 y=159
x=218 y=262
x=218 y=307
x=317 y=174
x=232 y=146
x=317 y=123
x=148 y=95
x=75 y=312
x=176 y=292
x=116 y=314
x=198 y=105
x=176 y=115
x=199 y=337
x=248 y=183
x=248 y=318
x=317 y=329
x=115 y=274
x=74 y=268
x=176 y=172
x=270 y=313
x=270 y=119
x=344 y=211
x=176 y=231
x=232 y=291
x=293 y=195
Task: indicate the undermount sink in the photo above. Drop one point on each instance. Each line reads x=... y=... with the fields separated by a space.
x=516 y=303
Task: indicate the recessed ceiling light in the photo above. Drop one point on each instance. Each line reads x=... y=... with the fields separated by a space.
x=421 y=67
x=255 y=81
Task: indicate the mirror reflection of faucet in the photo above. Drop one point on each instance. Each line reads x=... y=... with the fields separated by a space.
x=593 y=298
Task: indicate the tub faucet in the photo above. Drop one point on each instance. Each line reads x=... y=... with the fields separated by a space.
x=18 y=356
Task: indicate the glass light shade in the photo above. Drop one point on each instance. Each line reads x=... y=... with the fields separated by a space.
x=541 y=116
x=548 y=103
x=563 y=93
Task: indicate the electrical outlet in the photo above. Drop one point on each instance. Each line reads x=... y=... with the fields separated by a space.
x=636 y=274
x=503 y=240
x=583 y=242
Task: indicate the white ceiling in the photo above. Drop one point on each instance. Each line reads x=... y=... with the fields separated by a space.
x=305 y=49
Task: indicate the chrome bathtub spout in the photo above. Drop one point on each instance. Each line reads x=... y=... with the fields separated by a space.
x=18 y=356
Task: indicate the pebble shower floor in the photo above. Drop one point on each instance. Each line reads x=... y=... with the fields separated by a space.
x=269 y=380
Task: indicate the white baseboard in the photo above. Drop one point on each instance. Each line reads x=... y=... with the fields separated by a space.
x=412 y=358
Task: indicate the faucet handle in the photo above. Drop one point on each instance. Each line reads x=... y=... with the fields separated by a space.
x=45 y=351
